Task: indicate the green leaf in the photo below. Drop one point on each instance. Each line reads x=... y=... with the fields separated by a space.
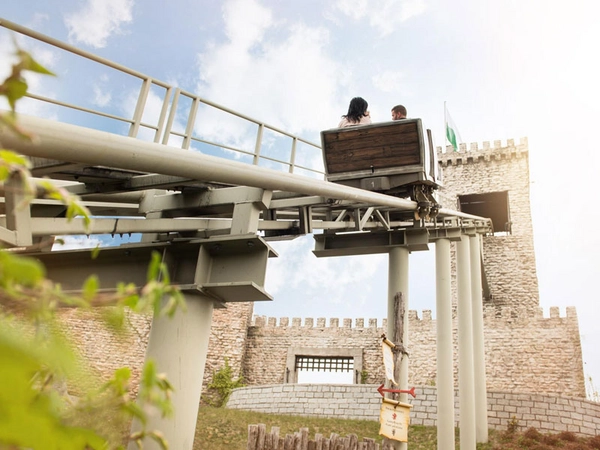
x=136 y=411
x=4 y=173
x=122 y=376
x=90 y=287
x=75 y=208
x=20 y=269
x=24 y=408
x=15 y=88
x=159 y=438
x=12 y=158
x=114 y=318
x=154 y=267
x=28 y=63
x=148 y=374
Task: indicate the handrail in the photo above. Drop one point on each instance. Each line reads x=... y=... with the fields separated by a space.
x=163 y=129
x=77 y=51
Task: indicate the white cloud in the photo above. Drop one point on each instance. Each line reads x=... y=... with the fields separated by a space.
x=289 y=82
x=246 y=22
x=97 y=20
x=355 y=9
x=101 y=95
x=100 y=240
x=38 y=21
x=75 y=242
x=388 y=81
x=384 y=15
x=338 y=279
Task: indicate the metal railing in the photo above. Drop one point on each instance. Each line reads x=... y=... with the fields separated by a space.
x=284 y=155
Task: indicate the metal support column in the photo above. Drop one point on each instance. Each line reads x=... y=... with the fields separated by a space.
x=478 y=341
x=18 y=214
x=179 y=346
x=398 y=282
x=146 y=206
x=445 y=372
x=466 y=387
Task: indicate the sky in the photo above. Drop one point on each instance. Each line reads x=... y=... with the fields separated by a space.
x=507 y=69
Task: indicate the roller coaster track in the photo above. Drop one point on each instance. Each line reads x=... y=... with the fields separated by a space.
x=134 y=171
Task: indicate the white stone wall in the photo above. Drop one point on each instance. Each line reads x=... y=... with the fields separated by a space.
x=546 y=413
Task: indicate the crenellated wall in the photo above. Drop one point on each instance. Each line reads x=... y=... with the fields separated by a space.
x=525 y=351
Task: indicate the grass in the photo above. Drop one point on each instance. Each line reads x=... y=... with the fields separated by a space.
x=220 y=429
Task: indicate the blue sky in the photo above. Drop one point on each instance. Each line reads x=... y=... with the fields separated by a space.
x=507 y=69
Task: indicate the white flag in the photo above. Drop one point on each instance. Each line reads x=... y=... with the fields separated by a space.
x=452 y=133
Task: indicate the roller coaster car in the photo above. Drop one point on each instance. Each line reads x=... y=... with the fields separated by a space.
x=387 y=157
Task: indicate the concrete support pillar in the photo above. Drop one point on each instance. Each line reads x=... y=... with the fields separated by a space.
x=478 y=341
x=466 y=382
x=398 y=282
x=179 y=346
x=445 y=370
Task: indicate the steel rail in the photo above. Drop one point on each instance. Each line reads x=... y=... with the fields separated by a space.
x=247 y=118
x=55 y=42
x=52 y=101
x=135 y=122
x=66 y=142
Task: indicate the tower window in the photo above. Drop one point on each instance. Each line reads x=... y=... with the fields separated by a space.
x=493 y=205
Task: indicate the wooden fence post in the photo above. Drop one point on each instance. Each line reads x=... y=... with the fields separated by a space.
x=303 y=439
x=318 y=441
x=252 y=437
x=259 y=439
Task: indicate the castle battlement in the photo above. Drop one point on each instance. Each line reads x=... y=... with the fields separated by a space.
x=492 y=315
x=488 y=152
x=309 y=322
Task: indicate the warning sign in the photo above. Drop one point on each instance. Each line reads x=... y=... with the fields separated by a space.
x=388 y=359
x=394 y=419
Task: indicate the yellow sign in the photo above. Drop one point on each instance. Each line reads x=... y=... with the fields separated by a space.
x=388 y=359
x=394 y=418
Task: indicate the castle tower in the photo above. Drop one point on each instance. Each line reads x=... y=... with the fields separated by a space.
x=494 y=182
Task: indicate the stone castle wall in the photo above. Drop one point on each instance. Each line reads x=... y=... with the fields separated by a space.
x=509 y=260
x=524 y=352
x=228 y=339
x=105 y=351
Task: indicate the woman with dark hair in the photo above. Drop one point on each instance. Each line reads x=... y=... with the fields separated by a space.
x=357 y=113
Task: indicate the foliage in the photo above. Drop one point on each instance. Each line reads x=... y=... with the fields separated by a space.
x=40 y=370
x=533 y=439
x=221 y=386
x=364 y=376
x=513 y=426
x=14 y=165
